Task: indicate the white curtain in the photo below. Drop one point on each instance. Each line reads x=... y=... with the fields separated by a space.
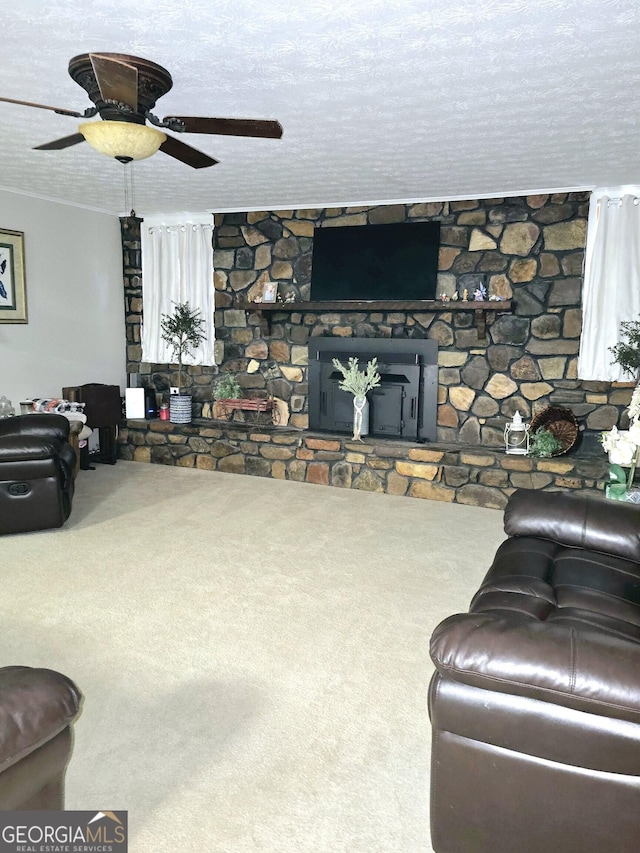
x=177 y=266
x=611 y=292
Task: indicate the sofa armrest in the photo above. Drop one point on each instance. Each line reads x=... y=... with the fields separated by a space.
x=35 y=706
x=23 y=448
x=574 y=666
x=52 y=426
x=575 y=520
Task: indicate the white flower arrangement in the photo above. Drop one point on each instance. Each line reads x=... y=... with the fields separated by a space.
x=634 y=405
x=623 y=447
x=620 y=445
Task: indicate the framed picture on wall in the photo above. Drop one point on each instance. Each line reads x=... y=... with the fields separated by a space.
x=13 y=291
x=270 y=291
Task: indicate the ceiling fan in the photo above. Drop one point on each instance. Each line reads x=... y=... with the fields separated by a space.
x=124 y=90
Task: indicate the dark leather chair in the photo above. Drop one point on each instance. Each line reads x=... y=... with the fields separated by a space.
x=37 y=709
x=37 y=465
x=535 y=702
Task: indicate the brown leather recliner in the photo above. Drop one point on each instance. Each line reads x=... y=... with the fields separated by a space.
x=37 y=465
x=535 y=702
x=37 y=709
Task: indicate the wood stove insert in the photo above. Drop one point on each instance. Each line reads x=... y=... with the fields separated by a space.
x=403 y=406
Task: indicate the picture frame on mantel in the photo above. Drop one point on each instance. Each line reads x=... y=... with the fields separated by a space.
x=270 y=291
x=13 y=288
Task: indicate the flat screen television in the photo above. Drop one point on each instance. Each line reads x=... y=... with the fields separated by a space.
x=396 y=262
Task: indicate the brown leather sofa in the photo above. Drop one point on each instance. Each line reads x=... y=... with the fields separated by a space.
x=37 y=465
x=37 y=709
x=535 y=702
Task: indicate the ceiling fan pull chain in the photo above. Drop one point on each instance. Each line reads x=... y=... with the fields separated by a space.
x=129 y=188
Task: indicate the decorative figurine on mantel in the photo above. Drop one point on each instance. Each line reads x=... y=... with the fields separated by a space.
x=480 y=293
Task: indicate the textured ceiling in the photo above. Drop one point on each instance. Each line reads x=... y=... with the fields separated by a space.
x=380 y=100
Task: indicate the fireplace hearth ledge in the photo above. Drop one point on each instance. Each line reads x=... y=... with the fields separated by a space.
x=474 y=475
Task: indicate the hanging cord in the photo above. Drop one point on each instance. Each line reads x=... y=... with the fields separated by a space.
x=129 y=189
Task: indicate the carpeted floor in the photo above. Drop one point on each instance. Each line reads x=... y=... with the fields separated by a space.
x=253 y=653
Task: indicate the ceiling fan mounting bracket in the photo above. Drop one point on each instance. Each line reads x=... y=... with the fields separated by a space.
x=170 y=123
x=118 y=105
x=118 y=111
x=88 y=113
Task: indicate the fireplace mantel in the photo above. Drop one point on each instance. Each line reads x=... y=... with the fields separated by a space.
x=480 y=309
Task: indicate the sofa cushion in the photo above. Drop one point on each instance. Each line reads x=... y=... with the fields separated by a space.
x=612 y=527
x=557 y=616
x=553 y=583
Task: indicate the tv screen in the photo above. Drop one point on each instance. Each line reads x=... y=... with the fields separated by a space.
x=375 y=262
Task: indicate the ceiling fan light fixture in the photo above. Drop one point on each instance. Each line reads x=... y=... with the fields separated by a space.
x=123 y=140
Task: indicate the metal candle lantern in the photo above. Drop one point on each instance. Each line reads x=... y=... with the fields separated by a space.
x=516 y=436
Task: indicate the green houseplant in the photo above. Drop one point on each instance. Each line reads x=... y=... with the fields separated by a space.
x=183 y=332
x=623 y=447
x=544 y=444
x=627 y=353
x=359 y=383
x=227 y=388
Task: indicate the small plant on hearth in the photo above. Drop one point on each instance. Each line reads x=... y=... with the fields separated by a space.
x=227 y=388
x=544 y=444
x=183 y=332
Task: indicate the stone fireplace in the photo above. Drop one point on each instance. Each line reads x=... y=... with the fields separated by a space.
x=527 y=250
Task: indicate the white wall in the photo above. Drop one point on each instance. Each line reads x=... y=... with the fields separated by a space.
x=75 y=303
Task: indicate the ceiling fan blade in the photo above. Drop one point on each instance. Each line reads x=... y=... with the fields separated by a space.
x=57 y=144
x=196 y=159
x=59 y=110
x=117 y=80
x=265 y=129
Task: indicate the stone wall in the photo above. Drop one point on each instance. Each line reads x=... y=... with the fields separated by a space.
x=527 y=249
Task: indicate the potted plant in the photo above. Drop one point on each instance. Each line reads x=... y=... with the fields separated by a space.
x=182 y=331
x=623 y=446
x=627 y=353
x=623 y=449
x=226 y=393
x=359 y=383
x=227 y=388
x=544 y=444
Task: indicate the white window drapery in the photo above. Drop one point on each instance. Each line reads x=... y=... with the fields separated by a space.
x=177 y=266
x=611 y=292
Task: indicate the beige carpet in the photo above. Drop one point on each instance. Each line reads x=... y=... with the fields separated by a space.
x=253 y=653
